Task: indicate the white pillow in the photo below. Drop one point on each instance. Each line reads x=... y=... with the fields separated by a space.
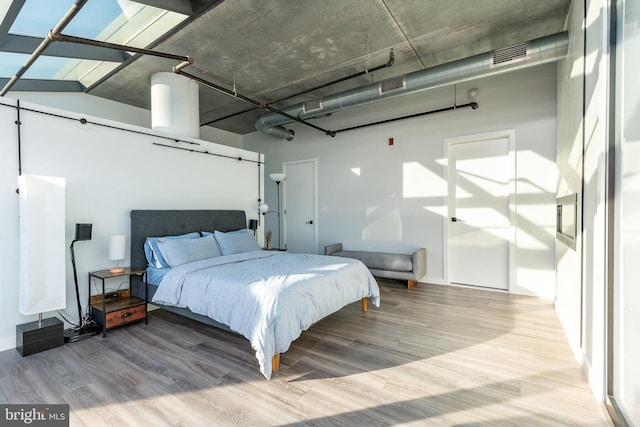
x=236 y=242
x=181 y=251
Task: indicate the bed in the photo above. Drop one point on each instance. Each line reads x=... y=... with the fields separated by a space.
x=269 y=297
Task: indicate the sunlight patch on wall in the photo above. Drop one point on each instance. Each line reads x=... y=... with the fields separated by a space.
x=573 y=164
x=384 y=226
x=356 y=171
x=538 y=174
x=576 y=69
x=418 y=181
x=631 y=190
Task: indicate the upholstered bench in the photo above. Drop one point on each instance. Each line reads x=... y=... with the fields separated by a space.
x=409 y=267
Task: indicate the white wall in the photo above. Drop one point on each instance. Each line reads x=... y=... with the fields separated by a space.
x=374 y=196
x=594 y=193
x=99 y=107
x=108 y=173
x=569 y=161
x=582 y=156
x=626 y=333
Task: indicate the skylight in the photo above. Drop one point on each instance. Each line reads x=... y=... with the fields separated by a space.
x=122 y=22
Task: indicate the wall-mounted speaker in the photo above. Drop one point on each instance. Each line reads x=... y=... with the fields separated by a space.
x=83 y=231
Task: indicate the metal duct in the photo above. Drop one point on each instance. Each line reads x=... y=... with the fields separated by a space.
x=538 y=51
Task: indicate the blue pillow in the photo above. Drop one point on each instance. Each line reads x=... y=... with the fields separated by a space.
x=236 y=242
x=242 y=230
x=154 y=257
x=181 y=251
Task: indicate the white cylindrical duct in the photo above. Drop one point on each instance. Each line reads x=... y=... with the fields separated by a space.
x=175 y=104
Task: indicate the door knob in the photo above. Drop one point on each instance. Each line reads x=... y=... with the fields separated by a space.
x=454 y=219
x=309 y=222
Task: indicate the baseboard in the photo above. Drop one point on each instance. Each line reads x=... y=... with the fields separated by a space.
x=7 y=343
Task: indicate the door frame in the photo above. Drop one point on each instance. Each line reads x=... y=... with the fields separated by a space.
x=510 y=134
x=314 y=163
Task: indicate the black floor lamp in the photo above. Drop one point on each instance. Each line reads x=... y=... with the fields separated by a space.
x=84 y=329
x=278 y=178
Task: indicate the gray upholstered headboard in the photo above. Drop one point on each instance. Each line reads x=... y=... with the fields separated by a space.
x=158 y=223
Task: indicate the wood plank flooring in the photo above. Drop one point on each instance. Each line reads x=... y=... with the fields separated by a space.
x=431 y=355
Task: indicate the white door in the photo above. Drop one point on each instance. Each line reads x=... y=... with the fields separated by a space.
x=480 y=229
x=300 y=207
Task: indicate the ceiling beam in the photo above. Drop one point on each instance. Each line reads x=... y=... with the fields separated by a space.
x=179 y=6
x=42 y=85
x=9 y=17
x=26 y=44
x=185 y=7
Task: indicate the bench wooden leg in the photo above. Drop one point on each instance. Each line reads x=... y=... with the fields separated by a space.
x=411 y=283
x=275 y=363
x=365 y=302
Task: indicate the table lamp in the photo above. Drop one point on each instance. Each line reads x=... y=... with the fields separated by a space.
x=117 y=247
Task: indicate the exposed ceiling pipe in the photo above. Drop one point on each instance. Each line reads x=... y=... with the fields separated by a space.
x=474 y=105
x=178 y=69
x=539 y=51
x=71 y=13
x=389 y=63
x=58 y=37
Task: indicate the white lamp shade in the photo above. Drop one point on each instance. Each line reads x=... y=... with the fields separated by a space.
x=117 y=246
x=277 y=177
x=42 y=244
x=263 y=207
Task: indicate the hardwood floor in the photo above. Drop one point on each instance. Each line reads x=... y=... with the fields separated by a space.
x=430 y=355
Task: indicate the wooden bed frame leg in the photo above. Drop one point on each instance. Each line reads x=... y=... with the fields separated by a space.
x=365 y=302
x=275 y=363
x=411 y=283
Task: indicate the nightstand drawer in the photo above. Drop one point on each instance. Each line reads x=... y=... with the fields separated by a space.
x=126 y=315
x=120 y=317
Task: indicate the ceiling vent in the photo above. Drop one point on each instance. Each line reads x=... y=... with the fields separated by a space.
x=312 y=106
x=390 y=85
x=509 y=55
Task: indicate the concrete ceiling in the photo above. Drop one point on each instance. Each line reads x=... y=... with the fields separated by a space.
x=272 y=49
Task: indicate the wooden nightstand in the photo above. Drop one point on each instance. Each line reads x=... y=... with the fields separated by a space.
x=118 y=308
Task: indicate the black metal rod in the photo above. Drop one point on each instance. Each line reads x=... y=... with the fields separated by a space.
x=279 y=221
x=81 y=40
x=85 y=121
x=249 y=100
x=18 y=123
x=75 y=281
x=473 y=105
x=322 y=86
x=241 y=159
x=71 y=13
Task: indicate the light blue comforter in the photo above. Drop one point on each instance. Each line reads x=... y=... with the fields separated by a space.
x=268 y=297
